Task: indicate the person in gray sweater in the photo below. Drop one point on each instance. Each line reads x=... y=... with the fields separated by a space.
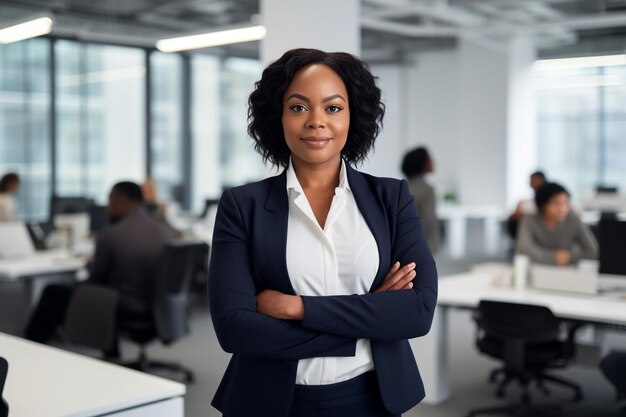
x=555 y=235
x=416 y=164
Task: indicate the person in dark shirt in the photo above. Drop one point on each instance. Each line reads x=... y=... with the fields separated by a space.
x=126 y=258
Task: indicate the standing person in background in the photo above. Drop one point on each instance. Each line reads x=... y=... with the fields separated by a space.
x=9 y=184
x=416 y=164
x=555 y=235
x=528 y=206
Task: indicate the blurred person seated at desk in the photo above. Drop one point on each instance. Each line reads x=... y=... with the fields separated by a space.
x=9 y=184
x=555 y=235
x=126 y=258
x=415 y=165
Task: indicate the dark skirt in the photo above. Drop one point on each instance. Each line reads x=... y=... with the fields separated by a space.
x=356 y=397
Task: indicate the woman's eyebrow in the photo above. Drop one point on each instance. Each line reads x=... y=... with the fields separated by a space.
x=308 y=100
x=334 y=96
x=300 y=96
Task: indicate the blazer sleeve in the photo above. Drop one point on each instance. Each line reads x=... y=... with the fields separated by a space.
x=387 y=315
x=232 y=298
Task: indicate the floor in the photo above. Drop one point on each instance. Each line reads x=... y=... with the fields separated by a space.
x=468 y=370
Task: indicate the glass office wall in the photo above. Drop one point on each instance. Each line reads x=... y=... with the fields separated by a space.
x=100 y=118
x=100 y=134
x=24 y=123
x=581 y=125
x=205 y=129
x=222 y=151
x=166 y=144
x=238 y=160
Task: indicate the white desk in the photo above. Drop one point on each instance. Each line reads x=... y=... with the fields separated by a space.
x=48 y=382
x=466 y=291
x=457 y=216
x=41 y=263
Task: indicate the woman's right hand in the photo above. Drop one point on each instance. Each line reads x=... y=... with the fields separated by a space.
x=398 y=278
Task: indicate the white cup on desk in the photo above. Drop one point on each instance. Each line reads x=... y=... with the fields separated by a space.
x=521 y=265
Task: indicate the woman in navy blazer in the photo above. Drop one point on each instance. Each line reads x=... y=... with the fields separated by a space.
x=318 y=110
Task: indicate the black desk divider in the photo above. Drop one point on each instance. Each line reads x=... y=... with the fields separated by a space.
x=4 y=369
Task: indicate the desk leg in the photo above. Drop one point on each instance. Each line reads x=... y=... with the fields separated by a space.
x=431 y=355
x=492 y=235
x=457 y=235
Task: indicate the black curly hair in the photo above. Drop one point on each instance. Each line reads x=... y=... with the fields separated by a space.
x=415 y=162
x=545 y=193
x=265 y=104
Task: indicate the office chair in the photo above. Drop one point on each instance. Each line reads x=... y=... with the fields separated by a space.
x=169 y=321
x=90 y=317
x=527 y=339
x=4 y=370
x=613 y=367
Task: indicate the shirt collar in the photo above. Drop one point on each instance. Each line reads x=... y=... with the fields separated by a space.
x=294 y=184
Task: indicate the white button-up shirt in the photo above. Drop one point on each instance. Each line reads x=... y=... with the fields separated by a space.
x=340 y=259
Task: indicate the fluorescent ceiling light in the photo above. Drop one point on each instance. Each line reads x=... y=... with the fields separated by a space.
x=206 y=40
x=609 y=80
x=26 y=30
x=582 y=62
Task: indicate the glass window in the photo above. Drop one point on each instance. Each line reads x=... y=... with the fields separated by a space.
x=101 y=113
x=24 y=123
x=205 y=130
x=581 y=120
x=238 y=160
x=167 y=141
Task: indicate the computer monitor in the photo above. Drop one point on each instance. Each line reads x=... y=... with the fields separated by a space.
x=208 y=204
x=69 y=205
x=612 y=242
x=98 y=218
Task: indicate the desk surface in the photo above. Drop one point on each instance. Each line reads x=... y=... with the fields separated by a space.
x=466 y=290
x=49 y=382
x=41 y=263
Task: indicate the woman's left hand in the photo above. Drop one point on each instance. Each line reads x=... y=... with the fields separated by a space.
x=280 y=306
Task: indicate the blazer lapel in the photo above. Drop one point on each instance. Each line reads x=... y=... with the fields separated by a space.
x=274 y=234
x=373 y=212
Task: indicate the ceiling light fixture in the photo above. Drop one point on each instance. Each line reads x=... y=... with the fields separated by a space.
x=26 y=30
x=581 y=62
x=206 y=40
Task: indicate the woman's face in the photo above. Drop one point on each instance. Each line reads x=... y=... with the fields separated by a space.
x=557 y=209
x=316 y=115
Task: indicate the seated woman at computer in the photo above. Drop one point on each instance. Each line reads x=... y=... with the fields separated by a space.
x=555 y=235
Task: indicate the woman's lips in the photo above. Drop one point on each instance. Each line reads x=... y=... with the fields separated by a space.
x=316 y=141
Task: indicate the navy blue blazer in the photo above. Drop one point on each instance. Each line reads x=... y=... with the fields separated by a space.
x=249 y=255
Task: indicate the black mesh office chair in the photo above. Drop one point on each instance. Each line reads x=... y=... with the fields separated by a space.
x=169 y=321
x=613 y=367
x=527 y=338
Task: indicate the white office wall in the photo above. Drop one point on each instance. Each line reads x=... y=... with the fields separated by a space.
x=385 y=159
x=472 y=107
x=482 y=134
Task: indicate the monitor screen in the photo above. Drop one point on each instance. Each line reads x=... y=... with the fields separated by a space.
x=612 y=241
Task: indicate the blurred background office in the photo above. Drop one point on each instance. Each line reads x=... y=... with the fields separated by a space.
x=497 y=92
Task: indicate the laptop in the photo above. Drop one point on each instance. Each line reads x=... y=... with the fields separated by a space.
x=15 y=241
x=583 y=279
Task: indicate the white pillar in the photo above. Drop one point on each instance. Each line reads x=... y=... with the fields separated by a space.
x=522 y=126
x=329 y=25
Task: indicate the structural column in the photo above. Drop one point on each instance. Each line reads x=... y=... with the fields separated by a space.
x=329 y=25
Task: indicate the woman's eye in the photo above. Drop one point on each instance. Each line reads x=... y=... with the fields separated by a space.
x=297 y=108
x=334 y=109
